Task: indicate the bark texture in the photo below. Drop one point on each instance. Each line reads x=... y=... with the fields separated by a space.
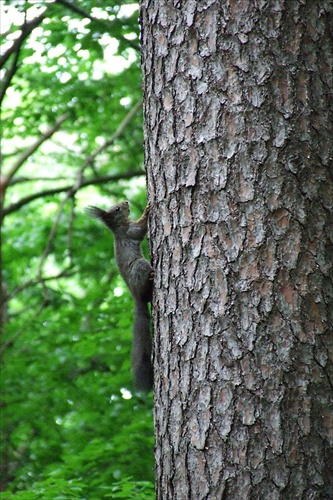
x=238 y=122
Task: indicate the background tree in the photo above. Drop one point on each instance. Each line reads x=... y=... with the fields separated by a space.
x=71 y=136
x=238 y=116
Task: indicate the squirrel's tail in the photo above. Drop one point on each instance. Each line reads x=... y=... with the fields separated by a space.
x=97 y=213
x=142 y=346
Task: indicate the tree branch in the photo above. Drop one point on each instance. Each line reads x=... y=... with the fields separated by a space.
x=115 y=136
x=26 y=29
x=70 y=194
x=22 y=180
x=9 y=75
x=81 y=182
x=65 y=273
x=76 y=9
x=11 y=341
x=83 y=13
x=31 y=149
x=87 y=182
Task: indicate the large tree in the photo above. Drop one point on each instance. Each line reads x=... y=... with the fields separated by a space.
x=239 y=127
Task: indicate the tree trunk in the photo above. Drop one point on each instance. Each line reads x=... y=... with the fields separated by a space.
x=238 y=123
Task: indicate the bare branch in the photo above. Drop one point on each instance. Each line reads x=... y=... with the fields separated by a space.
x=115 y=136
x=70 y=231
x=47 y=248
x=83 y=13
x=11 y=341
x=65 y=273
x=9 y=75
x=76 y=9
x=31 y=149
x=70 y=194
x=81 y=182
x=26 y=29
x=87 y=182
x=21 y=180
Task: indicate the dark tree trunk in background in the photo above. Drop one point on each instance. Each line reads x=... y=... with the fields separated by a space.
x=238 y=123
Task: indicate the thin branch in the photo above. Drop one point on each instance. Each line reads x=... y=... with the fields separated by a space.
x=81 y=182
x=83 y=13
x=70 y=194
x=70 y=231
x=24 y=201
x=47 y=248
x=76 y=9
x=87 y=182
x=115 y=136
x=103 y=289
x=65 y=273
x=31 y=149
x=9 y=75
x=21 y=180
x=26 y=29
x=11 y=341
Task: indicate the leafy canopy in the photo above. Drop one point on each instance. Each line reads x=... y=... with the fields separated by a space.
x=71 y=136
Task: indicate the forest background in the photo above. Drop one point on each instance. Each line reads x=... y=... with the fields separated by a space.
x=72 y=426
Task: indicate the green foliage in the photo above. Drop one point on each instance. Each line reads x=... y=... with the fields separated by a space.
x=72 y=425
x=55 y=488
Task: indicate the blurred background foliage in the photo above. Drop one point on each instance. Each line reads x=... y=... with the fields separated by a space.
x=72 y=425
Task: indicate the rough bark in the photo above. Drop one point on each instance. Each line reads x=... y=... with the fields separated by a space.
x=238 y=123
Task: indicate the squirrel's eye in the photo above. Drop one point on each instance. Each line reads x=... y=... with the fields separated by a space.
x=117 y=209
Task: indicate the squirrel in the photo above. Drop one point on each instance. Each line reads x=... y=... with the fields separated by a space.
x=138 y=276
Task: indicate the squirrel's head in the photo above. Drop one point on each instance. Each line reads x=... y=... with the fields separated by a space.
x=120 y=211
x=115 y=216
